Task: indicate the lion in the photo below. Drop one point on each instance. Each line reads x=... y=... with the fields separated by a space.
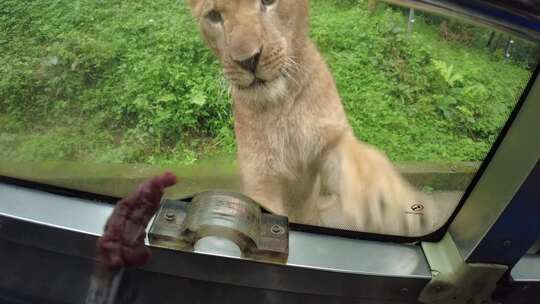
x=297 y=153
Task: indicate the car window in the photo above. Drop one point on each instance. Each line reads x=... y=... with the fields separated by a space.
x=98 y=96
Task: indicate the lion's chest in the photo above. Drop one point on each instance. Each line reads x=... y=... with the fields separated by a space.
x=292 y=147
x=285 y=142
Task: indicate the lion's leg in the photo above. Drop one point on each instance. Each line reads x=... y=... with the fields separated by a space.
x=264 y=189
x=302 y=206
x=371 y=194
x=335 y=195
x=386 y=197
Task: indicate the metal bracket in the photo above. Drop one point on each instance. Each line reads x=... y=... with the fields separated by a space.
x=454 y=280
x=260 y=236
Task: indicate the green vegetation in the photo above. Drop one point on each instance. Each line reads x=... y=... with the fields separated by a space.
x=131 y=81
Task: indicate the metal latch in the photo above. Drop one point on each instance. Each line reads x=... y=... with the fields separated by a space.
x=179 y=225
x=455 y=281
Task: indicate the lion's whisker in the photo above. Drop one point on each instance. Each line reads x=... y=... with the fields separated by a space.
x=291 y=70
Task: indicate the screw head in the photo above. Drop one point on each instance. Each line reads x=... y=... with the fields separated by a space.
x=507 y=243
x=170 y=216
x=277 y=229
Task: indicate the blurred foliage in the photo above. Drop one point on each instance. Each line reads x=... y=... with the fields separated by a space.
x=131 y=81
x=522 y=52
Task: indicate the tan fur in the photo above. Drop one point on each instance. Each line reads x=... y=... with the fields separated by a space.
x=297 y=152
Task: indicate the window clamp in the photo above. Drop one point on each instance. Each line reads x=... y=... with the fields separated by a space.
x=179 y=224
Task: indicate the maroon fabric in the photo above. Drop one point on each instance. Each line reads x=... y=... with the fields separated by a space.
x=122 y=243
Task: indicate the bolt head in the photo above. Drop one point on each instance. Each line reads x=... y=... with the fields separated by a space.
x=170 y=216
x=277 y=229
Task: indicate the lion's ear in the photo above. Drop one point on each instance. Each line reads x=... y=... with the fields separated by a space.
x=195 y=6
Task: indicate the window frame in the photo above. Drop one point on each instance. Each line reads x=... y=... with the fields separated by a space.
x=62 y=224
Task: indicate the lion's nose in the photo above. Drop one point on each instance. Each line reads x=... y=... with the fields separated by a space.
x=251 y=63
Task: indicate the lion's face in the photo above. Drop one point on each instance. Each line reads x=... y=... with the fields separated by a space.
x=256 y=41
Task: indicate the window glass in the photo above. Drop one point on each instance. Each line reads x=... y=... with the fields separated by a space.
x=99 y=95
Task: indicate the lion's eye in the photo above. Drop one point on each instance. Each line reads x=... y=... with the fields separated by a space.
x=214 y=16
x=268 y=2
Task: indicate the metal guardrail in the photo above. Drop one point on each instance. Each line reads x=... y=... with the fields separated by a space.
x=520 y=18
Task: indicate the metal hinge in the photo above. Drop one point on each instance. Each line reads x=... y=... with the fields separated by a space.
x=455 y=281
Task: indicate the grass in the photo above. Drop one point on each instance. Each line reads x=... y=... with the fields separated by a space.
x=131 y=82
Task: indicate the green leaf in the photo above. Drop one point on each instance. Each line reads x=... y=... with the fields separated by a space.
x=198 y=99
